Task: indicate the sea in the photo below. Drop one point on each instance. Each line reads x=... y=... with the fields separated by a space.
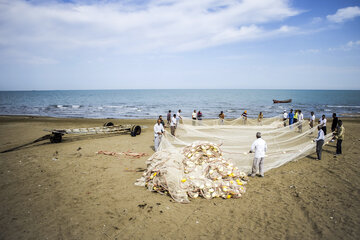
x=149 y=104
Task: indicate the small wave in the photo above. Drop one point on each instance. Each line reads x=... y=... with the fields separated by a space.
x=113 y=106
x=340 y=106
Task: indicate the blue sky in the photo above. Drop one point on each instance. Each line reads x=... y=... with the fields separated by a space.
x=257 y=44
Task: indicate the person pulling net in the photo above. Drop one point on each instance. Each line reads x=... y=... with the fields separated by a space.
x=176 y=170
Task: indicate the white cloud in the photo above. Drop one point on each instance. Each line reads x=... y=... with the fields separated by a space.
x=344 y=14
x=310 y=51
x=123 y=27
x=316 y=20
x=353 y=43
x=347 y=47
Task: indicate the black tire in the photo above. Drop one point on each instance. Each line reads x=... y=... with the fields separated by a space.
x=108 y=124
x=55 y=137
x=135 y=130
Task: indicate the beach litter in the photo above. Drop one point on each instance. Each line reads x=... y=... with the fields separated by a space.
x=200 y=170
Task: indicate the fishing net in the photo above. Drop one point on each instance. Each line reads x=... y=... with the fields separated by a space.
x=210 y=158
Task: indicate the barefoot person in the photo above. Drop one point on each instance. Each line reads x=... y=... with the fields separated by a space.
x=258 y=147
x=158 y=132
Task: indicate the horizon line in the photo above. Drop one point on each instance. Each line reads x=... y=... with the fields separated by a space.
x=298 y=89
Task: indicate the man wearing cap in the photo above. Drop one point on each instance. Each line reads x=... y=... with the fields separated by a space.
x=258 y=147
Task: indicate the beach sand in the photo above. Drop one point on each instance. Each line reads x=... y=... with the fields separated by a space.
x=66 y=191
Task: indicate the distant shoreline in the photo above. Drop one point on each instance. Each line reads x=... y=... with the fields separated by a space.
x=347 y=116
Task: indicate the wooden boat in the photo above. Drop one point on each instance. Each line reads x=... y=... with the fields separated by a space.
x=282 y=101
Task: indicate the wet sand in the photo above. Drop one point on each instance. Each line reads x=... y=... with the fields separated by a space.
x=66 y=191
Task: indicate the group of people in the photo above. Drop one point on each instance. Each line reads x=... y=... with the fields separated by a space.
x=159 y=128
x=259 y=146
x=338 y=132
x=293 y=118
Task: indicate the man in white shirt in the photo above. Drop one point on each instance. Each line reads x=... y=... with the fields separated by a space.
x=300 y=119
x=158 y=132
x=312 y=119
x=193 y=116
x=178 y=117
x=173 y=125
x=322 y=122
x=285 y=117
x=319 y=142
x=258 y=147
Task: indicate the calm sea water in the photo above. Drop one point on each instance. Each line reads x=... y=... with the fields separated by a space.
x=151 y=103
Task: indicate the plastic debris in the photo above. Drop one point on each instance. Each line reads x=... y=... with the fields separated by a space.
x=199 y=170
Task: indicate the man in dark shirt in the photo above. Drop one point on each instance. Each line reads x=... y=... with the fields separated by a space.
x=334 y=122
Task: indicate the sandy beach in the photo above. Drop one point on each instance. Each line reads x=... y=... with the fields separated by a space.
x=67 y=191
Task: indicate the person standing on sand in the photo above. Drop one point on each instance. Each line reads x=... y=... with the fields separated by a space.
x=296 y=116
x=300 y=118
x=312 y=120
x=193 y=116
x=291 y=117
x=168 y=117
x=178 y=117
x=162 y=121
x=322 y=123
x=259 y=147
x=221 y=118
x=158 y=132
x=285 y=116
x=260 y=118
x=173 y=125
x=334 y=122
x=244 y=116
x=339 y=135
x=319 y=142
x=199 y=115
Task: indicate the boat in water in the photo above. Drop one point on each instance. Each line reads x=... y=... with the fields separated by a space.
x=282 y=101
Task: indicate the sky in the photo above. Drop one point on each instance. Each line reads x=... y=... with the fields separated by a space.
x=168 y=44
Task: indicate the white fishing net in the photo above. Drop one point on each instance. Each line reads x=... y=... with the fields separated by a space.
x=210 y=158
